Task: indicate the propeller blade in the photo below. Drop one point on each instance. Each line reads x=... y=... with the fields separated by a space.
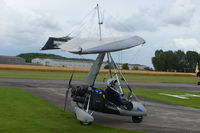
x=67 y=91
x=66 y=96
x=70 y=80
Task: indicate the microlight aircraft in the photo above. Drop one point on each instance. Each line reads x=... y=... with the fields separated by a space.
x=86 y=98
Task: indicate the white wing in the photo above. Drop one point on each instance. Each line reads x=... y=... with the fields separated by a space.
x=83 y=46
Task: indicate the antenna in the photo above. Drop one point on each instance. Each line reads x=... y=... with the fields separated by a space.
x=99 y=22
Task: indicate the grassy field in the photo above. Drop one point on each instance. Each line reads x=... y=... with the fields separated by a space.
x=86 y=70
x=21 y=112
x=155 y=94
x=81 y=76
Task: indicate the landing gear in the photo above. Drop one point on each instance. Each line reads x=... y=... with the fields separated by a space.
x=137 y=119
x=85 y=123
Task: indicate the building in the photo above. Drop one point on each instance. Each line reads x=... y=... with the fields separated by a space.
x=11 y=60
x=64 y=63
x=71 y=63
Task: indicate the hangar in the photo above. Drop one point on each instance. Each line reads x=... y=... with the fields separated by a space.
x=76 y=63
x=11 y=60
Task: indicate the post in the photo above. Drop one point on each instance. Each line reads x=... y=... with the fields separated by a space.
x=94 y=70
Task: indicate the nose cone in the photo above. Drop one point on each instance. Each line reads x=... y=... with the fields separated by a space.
x=140 y=108
x=144 y=110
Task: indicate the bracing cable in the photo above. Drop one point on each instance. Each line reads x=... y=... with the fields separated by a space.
x=115 y=72
x=114 y=64
x=110 y=72
x=123 y=26
x=83 y=23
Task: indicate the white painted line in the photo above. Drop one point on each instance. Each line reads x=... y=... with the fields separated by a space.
x=186 y=96
x=177 y=96
x=191 y=95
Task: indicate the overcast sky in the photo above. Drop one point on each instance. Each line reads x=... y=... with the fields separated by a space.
x=25 y=25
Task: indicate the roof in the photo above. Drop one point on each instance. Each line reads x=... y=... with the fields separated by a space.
x=3 y=56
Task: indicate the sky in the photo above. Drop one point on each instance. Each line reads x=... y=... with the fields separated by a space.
x=25 y=25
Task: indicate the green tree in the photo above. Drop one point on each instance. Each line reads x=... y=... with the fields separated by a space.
x=135 y=68
x=148 y=69
x=180 y=60
x=170 y=61
x=29 y=56
x=106 y=66
x=125 y=66
x=159 y=60
x=192 y=58
x=175 y=61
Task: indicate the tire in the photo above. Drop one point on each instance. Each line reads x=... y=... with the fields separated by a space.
x=85 y=123
x=198 y=83
x=137 y=119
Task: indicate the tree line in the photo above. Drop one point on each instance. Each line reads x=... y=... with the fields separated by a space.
x=125 y=66
x=29 y=56
x=177 y=61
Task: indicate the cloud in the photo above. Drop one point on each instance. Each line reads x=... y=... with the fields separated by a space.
x=23 y=27
x=153 y=17
x=143 y=19
x=187 y=44
x=26 y=25
x=180 y=13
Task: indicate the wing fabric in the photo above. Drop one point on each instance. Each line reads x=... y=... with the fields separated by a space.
x=53 y=43
x=116 y=45
x=83 y=46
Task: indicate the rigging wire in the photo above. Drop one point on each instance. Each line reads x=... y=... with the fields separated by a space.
x=82 y=22
x=85 y=26
x=90 y=28
x=115 y=72
x=136 y=53
x=127 y=28
x=90 y=17
x=110 y=30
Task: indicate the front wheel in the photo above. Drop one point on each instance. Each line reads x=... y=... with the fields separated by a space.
x=137 y=119
x=85 y=123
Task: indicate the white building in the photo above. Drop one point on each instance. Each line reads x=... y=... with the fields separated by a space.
x=65 y=63
x=76 y=63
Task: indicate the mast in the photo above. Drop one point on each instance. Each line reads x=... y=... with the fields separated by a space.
x=94 y=70
x=99 y=22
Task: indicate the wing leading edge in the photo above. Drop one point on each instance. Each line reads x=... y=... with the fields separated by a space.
x=116 y=45
x=83 y=46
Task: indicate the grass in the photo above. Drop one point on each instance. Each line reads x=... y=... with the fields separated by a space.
x=81 y=76
x=162 y=79
x=21 y=112
x=155 y=94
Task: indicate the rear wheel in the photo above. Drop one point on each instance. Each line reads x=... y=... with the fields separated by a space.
x=85 y=123
x=137 y=119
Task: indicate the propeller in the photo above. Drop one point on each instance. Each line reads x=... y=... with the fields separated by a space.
x=67 y=90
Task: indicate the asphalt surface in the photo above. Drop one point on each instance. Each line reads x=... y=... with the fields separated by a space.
x=162 y=117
